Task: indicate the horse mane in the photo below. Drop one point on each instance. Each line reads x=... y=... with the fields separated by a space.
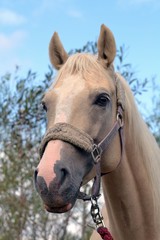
x=143 y=141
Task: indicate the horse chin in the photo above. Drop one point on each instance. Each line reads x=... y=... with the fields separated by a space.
x=61 y=203
x=61 y=209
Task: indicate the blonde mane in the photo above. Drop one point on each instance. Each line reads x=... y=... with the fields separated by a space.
x=143 y=141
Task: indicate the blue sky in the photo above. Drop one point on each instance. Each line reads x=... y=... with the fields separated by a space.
x=26 y=27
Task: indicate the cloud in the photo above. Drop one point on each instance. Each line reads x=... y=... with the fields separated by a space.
x=11 y=47
x=62 y=6
x=10 y=42
x=74 y=13
x=9 y=64
x=8 y=17
x=46 y=6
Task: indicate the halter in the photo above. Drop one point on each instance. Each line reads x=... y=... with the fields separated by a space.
x=80 y=139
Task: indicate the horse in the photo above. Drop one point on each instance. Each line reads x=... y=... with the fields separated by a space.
x=83 y=105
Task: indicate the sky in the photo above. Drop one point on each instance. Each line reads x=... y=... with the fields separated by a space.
x=26 y=27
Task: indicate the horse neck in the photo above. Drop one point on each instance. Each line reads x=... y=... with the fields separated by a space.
x=131 y=192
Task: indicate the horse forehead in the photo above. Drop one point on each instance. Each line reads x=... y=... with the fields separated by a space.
x=70 y=86
x=74 y=84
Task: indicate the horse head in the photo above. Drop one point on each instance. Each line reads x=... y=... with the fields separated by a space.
x=81 y=109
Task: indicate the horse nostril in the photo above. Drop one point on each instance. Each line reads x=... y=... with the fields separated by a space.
x=41 y=186
x=64 y=174
x=40 y=183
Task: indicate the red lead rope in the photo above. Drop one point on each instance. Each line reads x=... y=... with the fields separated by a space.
x=105 y=234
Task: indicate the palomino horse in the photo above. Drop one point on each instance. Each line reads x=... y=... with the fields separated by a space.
x=82 y=108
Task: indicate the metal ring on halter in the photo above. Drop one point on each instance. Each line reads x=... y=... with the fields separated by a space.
x=96 y=153
x=120 y=119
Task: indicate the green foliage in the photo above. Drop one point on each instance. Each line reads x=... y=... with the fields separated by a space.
x=153 y=119
x=138 y=86
x=22 y=125
x=20 y=133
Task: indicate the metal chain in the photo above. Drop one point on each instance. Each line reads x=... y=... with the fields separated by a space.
x=96 y=214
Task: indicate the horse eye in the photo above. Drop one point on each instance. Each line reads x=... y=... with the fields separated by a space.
x=102 y=100
x=44 y=106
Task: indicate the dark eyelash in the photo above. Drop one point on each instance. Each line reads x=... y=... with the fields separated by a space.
x=102 y=100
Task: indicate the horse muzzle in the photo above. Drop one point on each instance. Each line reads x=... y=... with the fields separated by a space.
x=67 y=157
x=60 y=173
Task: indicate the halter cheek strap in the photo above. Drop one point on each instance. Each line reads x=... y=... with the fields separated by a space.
x=100 y=147
x=97 y=153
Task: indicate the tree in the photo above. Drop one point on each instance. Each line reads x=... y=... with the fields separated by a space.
x=22 y=125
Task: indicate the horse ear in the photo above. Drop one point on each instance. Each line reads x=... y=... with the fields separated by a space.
x=106 y=46
x=57 y=54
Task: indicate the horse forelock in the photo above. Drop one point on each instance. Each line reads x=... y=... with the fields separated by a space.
x=84 y=64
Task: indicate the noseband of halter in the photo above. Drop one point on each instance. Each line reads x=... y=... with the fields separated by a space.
x=80 y=139
x=70 y=134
